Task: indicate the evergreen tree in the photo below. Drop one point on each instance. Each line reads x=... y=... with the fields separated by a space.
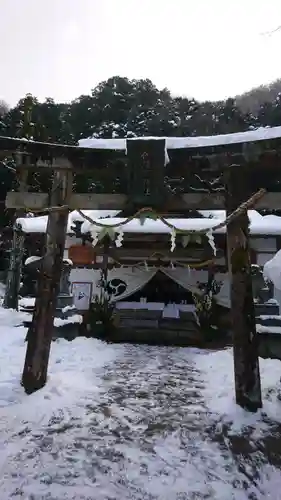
x=120 y=107
x=270 y=112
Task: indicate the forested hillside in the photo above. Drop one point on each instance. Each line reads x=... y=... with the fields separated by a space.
x=257 y=97
x=120 y=107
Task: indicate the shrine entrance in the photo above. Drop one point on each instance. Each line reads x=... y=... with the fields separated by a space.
x=148 y=177
x=162 y=288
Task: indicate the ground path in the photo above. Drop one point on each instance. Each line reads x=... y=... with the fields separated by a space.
x=124 y=422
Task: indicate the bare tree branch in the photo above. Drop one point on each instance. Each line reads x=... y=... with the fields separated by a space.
x=271 y=32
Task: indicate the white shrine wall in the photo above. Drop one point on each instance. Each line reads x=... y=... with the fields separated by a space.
x=265 y=249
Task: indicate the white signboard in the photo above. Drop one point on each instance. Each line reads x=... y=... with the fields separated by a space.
x=82 y=292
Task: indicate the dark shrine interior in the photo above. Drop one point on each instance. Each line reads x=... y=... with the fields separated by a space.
x=161 y=288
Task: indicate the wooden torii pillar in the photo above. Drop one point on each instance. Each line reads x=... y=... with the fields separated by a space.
x=17 y=250
x=41 y=330
x=245 y=337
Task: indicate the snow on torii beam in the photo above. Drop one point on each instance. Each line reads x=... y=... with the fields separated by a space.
x=261 y=148
x=265 y=138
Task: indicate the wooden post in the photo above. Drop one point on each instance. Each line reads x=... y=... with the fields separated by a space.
x=16 y=255
x=245 y=338
x=17 y=250
x=104 y=292
x=106 y=246
x=41 y=331
x=146 y=167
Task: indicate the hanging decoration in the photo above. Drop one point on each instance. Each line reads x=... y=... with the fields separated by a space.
x=174 y=263
x=148 y=213
x=211 y=239
x=205 y=302
x=120 y=237
x=173 y=239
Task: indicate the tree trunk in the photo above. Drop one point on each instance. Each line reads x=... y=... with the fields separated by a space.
x=245 y=338
x=41 y=331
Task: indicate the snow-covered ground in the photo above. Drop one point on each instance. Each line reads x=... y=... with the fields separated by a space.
x=134 y=422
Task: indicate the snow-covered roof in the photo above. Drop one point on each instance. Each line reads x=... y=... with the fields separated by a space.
x=39 y=224
x=260 y=134
x=259 y=224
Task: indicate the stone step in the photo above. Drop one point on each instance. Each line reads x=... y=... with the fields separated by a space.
x=167 y=337
x=269 y=320
x=152 y=314
x=268 y=330
x=178 y=325
x=268 y=308
x=187 y=314
x=138 y=323
x=138 y=314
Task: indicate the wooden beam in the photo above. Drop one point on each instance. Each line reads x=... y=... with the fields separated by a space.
x=26 y=200
x=142 y=253
x=16 y=145
x=200 y=201
x=245 y=339
x=98 y=201
x=41 y=331
x=39 y=201
x=54 y=164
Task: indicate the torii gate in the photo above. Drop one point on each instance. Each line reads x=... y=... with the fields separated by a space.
x=219 y=172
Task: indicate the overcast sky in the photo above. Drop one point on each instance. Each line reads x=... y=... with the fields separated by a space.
x=208 y=49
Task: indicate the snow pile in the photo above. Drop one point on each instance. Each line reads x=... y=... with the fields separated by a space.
x=27 y=302
x=32 y=259
x=9 y=319
x=71 y=370
x=2 y=290
x=268 y=329
x=219 y=394
x=272 y=270
x=68 y=261
x=75 y=319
